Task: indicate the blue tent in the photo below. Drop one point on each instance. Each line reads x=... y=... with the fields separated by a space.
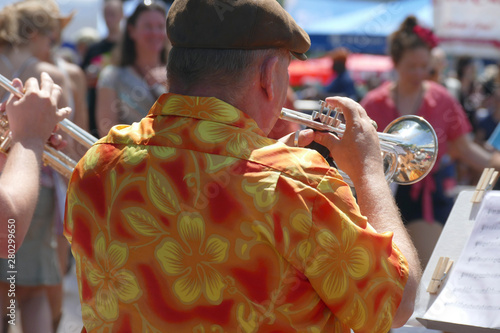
x=360 y=25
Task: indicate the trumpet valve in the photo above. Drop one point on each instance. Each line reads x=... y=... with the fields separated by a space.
x=5 y=136
x=327 y=118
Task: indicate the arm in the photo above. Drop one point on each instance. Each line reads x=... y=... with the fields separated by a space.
x=469 y=152
x=80 y=93
x=31 y=119
x=78 y=85
x=106 y=110
x=358 y=154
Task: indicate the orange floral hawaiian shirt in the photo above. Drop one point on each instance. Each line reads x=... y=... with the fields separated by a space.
x=193 y=221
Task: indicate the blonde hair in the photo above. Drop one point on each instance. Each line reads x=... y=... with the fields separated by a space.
x=19 y=21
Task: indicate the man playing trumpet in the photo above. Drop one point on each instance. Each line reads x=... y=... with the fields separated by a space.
x=194 y=220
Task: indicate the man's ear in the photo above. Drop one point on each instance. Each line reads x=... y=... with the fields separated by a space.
x=268 y=76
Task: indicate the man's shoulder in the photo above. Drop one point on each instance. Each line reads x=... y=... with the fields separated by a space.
x=303 y=165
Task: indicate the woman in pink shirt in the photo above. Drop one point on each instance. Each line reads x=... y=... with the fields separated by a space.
x=410 y=49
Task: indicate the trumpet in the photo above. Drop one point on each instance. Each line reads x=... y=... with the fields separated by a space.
x=409 y=144
x=59 y=161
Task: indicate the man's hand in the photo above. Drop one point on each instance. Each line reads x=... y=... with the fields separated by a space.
x=298 y=139
x=57 y=141
x=358 y=152
x=33 y=117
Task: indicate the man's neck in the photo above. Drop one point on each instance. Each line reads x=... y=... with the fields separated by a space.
x=246 y=101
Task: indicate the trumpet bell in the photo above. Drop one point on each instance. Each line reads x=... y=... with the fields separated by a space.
x=409 y=144
x=416 y=145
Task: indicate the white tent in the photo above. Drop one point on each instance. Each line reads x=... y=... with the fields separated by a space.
x=360 y=25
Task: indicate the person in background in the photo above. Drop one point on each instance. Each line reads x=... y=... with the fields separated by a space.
x=194 y=220
x=99 y=55
x=489 y=116
x=85 y=38
x=28 y=29
x=343 y=84
x=469 y=95
x=127 y=89
x=437 y=72
x=425 y=206
x=75 y=89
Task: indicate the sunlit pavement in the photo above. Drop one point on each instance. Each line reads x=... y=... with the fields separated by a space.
x=71 y=321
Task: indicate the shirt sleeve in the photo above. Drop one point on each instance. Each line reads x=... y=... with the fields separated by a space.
x=357 y=272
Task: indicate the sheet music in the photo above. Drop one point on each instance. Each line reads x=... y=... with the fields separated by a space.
x=471 y=295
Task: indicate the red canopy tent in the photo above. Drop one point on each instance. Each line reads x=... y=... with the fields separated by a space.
x=320 y=71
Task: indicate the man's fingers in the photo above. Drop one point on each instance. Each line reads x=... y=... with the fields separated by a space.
x=329 y=140
x=57 y=141
x=46 y=83
x=55 y=93
x=63 y=113
x=31 y=85
x=300 y=138
x=348 y=107
x=352 y=111
x=306 y=137
x=18 y=84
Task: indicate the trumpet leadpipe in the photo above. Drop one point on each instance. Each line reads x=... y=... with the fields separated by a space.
x=306 y=120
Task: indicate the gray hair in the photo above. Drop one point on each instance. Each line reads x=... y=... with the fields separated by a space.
x=230 y=68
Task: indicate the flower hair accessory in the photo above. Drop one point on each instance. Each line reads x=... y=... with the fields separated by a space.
x=426 y=35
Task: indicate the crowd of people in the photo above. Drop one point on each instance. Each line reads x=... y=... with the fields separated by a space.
x=198 y=209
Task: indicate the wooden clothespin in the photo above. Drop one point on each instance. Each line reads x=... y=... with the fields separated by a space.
x=487 y=181
x=440 y=272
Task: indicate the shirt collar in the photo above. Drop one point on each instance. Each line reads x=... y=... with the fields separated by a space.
x=203 y=108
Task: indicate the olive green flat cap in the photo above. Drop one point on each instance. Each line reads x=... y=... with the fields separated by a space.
x=235 y=24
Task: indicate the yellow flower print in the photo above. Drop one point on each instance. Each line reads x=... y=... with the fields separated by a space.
x=194 y=262
x=385 y=318
x=263 y=191
x=114 y=283
x=204 y=108
x=211 y=329
x=339 y=262
x=248 y=323
x=237 y=143
x=89 y=317
x=91 y=158
x=134 y=154
x=259 y=233
x=301 y=221
x=161 y=152
x=356 y=314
